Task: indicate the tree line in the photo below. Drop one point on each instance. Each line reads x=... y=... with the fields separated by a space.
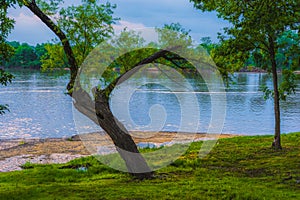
x=25 y=55
x=47 y=56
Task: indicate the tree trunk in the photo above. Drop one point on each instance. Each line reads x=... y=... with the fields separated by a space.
x=276 y=143
x=135 y=163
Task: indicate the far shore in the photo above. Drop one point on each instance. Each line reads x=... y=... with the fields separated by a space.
x=243 y=70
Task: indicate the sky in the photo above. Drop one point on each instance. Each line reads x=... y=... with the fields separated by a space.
x=134 y=14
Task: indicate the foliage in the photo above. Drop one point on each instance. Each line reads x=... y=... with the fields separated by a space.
x=5 y=78
x=48 y=7
x=177 y=27
x=289 y=49
x=133 y=48
x=3 y=108
x=25 y=55
x=237 y=168
x=207 y=44
x=6 y=51
x=6 y=25
x=287 y=55
x=86 y=25
x=54 y=58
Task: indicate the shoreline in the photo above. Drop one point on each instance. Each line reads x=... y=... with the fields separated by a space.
x=138 y=136
x=16 y=152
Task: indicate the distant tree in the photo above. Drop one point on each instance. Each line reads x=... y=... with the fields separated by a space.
x=177 y=27
x=257 y=26
x=24 y=56
x=14 y=44
x=286 y=56
x=54 y=58
x=207 y=44
x=40 y=51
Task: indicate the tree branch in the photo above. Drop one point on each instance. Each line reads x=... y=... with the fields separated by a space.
x=135 y=68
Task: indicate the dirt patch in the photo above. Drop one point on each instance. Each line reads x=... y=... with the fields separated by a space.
x=74 y=145
x=41 y=147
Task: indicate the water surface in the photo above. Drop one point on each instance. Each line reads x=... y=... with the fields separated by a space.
x=39 y=107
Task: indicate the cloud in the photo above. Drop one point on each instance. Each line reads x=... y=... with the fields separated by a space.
x=134 y=14
x=129 y=25
x=156 y=13
x=26 y=20
x=30 y=29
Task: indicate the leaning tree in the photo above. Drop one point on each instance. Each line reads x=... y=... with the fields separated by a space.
x=258 y=26
x=80 y=19
x=73 y=28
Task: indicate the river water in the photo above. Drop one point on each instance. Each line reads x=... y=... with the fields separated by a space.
x=40 y=109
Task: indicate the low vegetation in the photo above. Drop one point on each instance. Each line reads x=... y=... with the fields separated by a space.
x=237 y=168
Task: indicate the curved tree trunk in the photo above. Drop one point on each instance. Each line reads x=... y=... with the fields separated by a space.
x=135 y=163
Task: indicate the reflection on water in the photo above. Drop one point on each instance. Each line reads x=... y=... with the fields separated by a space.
x=39 y=107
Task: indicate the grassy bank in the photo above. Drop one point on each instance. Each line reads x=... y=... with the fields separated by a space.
x=237 y=168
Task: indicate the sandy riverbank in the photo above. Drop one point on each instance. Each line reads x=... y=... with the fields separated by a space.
x=16 y=152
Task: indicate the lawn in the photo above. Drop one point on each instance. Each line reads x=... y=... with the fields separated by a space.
x=237 y=168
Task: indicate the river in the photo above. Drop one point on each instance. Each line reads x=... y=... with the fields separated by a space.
x=40 y=109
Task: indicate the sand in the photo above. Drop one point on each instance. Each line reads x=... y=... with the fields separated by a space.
x=16 y=152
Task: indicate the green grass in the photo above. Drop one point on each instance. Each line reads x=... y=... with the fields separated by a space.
x=237 y=168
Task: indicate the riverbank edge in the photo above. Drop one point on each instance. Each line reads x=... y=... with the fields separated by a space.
x=17 y=152
x=155 y=137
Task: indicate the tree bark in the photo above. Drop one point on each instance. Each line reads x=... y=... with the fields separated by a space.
x=276 y=143
x=126 y=147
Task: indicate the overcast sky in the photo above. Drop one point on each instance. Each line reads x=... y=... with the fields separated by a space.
x=133 y=14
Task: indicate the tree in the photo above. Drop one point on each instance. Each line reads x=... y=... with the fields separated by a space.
x=24 y=56
x=116 y=73
x=101 y=16
x=54 y=58
x=207 y=44
x=257 y=26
